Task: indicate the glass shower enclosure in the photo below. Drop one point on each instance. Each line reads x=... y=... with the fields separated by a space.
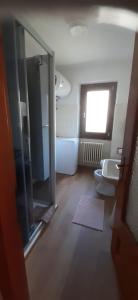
x=30 y=81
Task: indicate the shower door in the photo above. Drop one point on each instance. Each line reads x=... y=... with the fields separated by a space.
x=31 y=100
x=125 y=230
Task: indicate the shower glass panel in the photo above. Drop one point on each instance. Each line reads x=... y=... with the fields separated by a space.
x=37 y=66
x=30 y=80
x=17 y=106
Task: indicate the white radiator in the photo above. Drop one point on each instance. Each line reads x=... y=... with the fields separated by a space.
x=90 y=153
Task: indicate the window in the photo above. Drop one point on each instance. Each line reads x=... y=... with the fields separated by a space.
x=97 y=110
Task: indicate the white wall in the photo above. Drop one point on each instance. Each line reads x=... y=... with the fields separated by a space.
x=68 y=108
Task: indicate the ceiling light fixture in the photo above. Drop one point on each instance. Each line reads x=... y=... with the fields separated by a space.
x=78 y=29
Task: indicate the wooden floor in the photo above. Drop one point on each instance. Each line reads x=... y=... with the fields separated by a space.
x=71 y=262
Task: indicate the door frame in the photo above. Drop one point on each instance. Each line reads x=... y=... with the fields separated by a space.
x=13 y=281
x=123 y=240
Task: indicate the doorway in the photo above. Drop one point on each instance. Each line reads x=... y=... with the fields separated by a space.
x=38 y=201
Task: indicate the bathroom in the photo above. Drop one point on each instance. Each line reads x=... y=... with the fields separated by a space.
x=89 y=148
x=83 y=71
x=90 y=57
x=81 y=228
x=98 y=56
x=105 y=65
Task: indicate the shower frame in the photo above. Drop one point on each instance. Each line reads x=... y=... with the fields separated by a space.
x=15 y=26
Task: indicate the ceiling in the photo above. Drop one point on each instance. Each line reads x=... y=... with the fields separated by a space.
x=102 y=42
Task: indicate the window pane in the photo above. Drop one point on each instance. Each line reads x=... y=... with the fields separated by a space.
x=96 y=111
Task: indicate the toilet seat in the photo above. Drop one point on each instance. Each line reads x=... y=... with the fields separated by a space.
x=103 y=187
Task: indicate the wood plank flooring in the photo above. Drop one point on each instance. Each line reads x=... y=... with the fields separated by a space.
x=71 y=262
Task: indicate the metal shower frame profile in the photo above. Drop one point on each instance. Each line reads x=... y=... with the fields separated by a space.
x=14 y=22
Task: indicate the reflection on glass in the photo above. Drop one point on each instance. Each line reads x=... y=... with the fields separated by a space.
x=27 y=69
x=97 y=110
x=38 y=102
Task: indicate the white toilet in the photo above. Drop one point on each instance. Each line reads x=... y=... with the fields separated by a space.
x=107 y=177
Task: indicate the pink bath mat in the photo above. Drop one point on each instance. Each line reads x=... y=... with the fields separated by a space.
x=90 y=213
